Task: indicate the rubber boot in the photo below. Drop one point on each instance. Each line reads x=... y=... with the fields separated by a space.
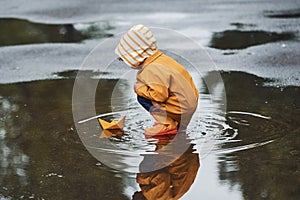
x=164 y=125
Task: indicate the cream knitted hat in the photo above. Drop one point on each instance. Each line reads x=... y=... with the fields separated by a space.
x=136 y=45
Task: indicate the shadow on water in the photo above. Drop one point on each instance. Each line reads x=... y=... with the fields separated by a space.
x=237 y=39
x=256 y=143
x=18 y=31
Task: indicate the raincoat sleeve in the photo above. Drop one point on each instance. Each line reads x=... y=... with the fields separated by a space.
x=153 y=84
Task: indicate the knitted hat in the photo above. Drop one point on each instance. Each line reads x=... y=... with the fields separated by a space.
x=136 y=45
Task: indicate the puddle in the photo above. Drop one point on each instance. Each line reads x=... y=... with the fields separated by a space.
x=255 y=144
x=273 y=167
x=18 y=32
x=284 y=14
x=236 y=39
x=72 y=74
x=242 y=25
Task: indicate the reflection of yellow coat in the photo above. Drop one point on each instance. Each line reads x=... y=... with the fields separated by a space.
x=164 y=81
x=171 y=182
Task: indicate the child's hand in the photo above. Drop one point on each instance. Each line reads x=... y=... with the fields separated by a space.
x=136 y=85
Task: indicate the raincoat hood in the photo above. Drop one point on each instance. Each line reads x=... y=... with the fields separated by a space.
x=136 y=45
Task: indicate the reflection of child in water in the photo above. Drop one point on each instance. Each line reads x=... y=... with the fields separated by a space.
x=164 y=87
x=171 y=181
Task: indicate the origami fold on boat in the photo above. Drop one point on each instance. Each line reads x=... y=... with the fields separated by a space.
x=112 y=125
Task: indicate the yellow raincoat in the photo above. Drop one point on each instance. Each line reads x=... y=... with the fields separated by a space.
x=164 y=81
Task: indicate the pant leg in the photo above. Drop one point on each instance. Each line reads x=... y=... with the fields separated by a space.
x=146 y=103
x=157 y=113
x=165 y=117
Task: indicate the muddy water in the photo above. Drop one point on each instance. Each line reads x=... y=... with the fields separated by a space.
x=250 y=152
x=42 y=157
x=269 y=171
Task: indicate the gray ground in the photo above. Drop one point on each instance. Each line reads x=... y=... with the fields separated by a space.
x=196 y=19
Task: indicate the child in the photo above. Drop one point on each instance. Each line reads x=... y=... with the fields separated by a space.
x=164 y=87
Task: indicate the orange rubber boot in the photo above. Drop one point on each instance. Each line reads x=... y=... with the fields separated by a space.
x=161 y=129
x=164 y=125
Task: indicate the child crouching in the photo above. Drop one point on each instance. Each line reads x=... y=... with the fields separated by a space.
x=164 y=87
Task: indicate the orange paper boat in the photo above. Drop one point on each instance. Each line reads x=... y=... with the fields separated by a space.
x=112 y=125
x=111 y=133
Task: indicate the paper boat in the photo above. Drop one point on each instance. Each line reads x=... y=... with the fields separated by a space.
x=111 y=133
x=112 y=125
